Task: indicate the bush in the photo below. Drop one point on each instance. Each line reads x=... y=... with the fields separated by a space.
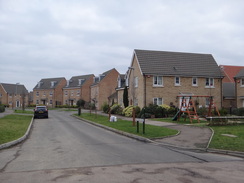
x=105 y=107
x=203 y=112
x=128 y=111
x=223 y=112
x=2 y=108
x=116 y=109
x=238 y=112
x=153 y=111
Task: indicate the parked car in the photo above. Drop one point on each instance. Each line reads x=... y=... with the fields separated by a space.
x=41 y=111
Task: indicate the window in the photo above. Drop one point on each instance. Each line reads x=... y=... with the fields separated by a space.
x=194 y=81
x=72 y=93
x=209 y=82
x=78 y=93
x=242 y=82
x=177 y=81
x=37 y=101
x=157 y=101
x=44 y=94
x=51 y=101
x=37 y=94
x=136 y=81
x=157 y=81
x=51 y=93
x=66 y=92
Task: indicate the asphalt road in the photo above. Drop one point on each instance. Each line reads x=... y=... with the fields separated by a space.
x=63 y=148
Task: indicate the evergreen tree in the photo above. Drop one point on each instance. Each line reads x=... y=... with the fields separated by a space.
x=125 y=97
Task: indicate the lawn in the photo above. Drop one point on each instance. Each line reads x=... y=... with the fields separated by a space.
x=225 y=142
x=126 y=126
x=219 y=141
x=13 y=127
x=24 y=112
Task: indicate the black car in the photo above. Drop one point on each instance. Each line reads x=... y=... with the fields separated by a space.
x=41 y=111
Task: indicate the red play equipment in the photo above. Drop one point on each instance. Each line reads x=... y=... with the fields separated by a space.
x=187 y=105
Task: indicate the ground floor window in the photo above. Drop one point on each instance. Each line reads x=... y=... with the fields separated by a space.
x=51 y=101
x=37 y=101
x=157 y=101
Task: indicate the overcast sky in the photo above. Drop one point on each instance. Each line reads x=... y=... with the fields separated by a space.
x=65 y=38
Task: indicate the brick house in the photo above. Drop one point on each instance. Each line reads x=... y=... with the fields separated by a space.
x=229 y=89
x=158 y=77
x=239 y=83
x=122 y=82
x=103 y=87
x=13 y=95
x=49 y=91
x=78 y=87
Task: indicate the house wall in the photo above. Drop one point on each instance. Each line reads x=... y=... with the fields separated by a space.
x=58 y=96
x=95 y=94
x=239 y=93
x=145 y=92
x=71 y=94
x=44 y=95
x=120 y=93
x=86 y=89
x=3 y=96
x=105 y=88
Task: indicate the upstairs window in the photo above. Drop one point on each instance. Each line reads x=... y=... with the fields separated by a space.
x=177 y=81
x=242 y=82
x=136 y=81
x=157 y=80
x=37 y=94
x=209 y=82
x=194 y=81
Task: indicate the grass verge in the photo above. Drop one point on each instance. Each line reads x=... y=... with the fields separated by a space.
x=126 y=126
x=13 y=127
x=220 y=141
x=23 y=112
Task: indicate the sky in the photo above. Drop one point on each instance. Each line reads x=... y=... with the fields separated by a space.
x=64 y=38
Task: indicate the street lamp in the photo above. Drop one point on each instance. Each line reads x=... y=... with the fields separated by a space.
x=133 y=84
x=16 y=93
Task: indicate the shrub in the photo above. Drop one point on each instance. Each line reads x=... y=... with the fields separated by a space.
x=116 y=109
x=105 y=107
x=203 y=111
x=223 y=112
x=128 y=111
x=172 y=111
x=2 y=108
x=153 y=111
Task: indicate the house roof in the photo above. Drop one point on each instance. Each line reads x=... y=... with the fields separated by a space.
x=177 y=64
x=99 y=78
x=240 y=74
x=74 y=81
x=14 y=88
x=230 y=72
x=47 y=83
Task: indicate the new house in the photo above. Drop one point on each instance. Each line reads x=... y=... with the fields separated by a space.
x=103 y=87
x=77 y=87
x=13 y=95
x=229 y=86
x=239 y=84
x=49 y=91
x=161 y=77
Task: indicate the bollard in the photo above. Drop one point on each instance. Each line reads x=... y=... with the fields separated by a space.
x=143 y=126
x=137 y=126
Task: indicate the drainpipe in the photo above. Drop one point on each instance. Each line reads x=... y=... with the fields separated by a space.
x=145 y=90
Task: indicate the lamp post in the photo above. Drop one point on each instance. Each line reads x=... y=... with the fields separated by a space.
x=16 y=94
x=133 y=85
